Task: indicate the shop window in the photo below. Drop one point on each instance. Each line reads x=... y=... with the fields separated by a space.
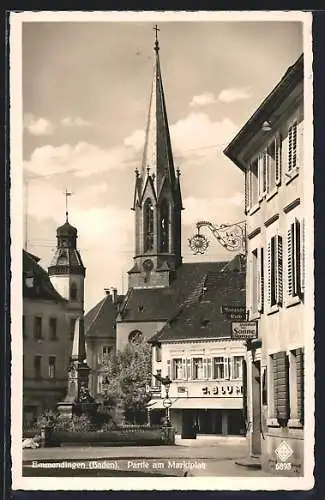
x=53 y=328
x=52 y=366
x=38 y=328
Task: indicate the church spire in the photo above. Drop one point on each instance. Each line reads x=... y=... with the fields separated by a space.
x=157 y=197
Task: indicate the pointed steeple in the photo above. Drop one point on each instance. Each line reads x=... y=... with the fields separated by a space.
x=157 y=197
x=157 y=161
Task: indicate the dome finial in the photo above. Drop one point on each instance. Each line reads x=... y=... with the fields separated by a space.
x=156 y=29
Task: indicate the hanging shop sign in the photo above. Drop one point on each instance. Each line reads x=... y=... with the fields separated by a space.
x=233 y=312
x=244 y=330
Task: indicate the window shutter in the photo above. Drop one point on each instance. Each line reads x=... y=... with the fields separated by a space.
x=302 y=256
x=169 y=372
x=269 y=269
x=290 y=262
x=297 y=257
x=279 y=270
x=282 y=388
x=265 y=171
x=300 y=383
x=247 y=192
x=300 y=145
x=204 y=368
x=260 y=279
x=278 y=159
x=292 y=148
x=244 y=371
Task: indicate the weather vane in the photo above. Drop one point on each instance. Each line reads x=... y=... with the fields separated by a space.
x=67 y=194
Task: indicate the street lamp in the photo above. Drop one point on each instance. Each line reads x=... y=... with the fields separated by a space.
x=166 y=381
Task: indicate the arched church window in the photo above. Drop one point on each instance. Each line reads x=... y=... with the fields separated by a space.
x=148 y=225
x=164 y=226
x=135 y=337
x=73 y=291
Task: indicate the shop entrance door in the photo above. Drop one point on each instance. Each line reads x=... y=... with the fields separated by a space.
x=188 y=425
x=256 y=400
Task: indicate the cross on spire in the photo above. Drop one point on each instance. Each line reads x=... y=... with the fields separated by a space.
x=67 y=194
x=156 y=29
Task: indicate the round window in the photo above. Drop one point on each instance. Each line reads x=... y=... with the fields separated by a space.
x=135 y=336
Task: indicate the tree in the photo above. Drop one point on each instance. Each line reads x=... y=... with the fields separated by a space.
x=127 y=373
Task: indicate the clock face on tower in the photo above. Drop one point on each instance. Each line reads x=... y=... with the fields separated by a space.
x=147 y=265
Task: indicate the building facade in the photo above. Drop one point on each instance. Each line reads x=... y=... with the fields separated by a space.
x=46 y=341
x=196 y=351
x=269 y=150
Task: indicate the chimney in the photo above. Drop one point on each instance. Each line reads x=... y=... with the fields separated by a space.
x=114 y=294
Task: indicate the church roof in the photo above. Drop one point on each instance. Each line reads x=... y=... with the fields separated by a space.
x=66 y=230
x=159 y=304
x=100 y=320
x=36 y=281
x=200 y=315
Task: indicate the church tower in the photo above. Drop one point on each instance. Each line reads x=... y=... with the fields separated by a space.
x=157 y=199
x=67 y=272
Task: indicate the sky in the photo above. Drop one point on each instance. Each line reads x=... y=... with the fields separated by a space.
x=86 y=89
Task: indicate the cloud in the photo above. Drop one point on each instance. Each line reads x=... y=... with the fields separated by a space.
x=38 y=126
x=231 y=95
x=75 y=122
x=203 y=99
x=198 y=131
x=135 y=140
x=83 y=158
x=209 y=208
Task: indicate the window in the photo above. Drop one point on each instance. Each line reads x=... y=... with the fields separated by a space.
x=164 y=226
x=52 y=362
x=37 y=367
x=104 y=353
x=72 y=327
x=275 y=271
x=29 y=279
x=53 y=328
x=295 y=257
x=158 y=353
x=38 y=327
x=292 y=147
x=254 y=183
x=197 y=369
x=148 y=225
x=73 y=291
x=237 y=366
x=221 y=368
x=281 y=391
x=178 y=369
x=135 y=337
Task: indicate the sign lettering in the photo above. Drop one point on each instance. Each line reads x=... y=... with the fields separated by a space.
x=223 y=390
x=243 y=330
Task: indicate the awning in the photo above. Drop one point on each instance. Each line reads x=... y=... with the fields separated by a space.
x=198 y=403
x=207 y=403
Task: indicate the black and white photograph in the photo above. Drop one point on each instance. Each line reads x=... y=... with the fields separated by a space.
x=162 y=295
